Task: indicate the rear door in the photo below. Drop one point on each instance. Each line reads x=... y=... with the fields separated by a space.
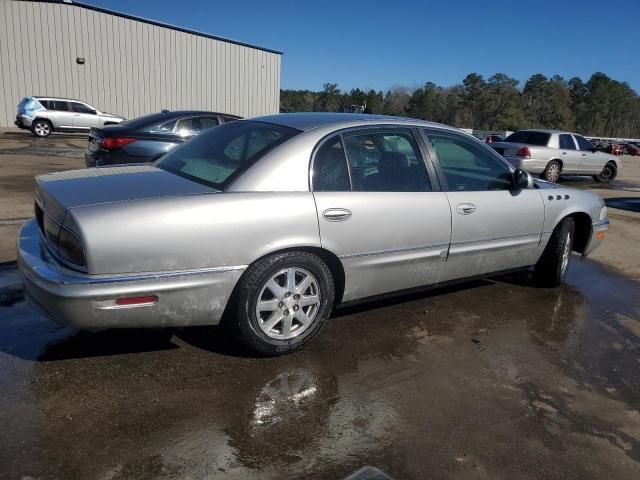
x=59 y=112
x=380 y=210
x=494 y=227
x=570 y=156
x=84 y=117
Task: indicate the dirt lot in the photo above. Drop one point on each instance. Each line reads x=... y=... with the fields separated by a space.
x=492 y=379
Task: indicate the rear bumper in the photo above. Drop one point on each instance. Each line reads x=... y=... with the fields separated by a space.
x=184 y=298
x=531 y=165
x=102 y=158
x=598 y=232
x=22 y=121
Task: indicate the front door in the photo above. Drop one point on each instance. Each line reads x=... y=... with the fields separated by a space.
x=592 y=161
x=570 y=156
x=494 y=227
x=84 y=117
x=378 y=212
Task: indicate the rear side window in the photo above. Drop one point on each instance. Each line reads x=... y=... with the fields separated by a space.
x=218 y=155
x=566 y=142
x=330 y=172
x=529 y=137
x=166 y=127
x=58 y=105
x=385 y=161
x=46 y=104
x=208 y=122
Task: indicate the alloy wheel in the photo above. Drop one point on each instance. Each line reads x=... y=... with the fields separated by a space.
x=42 y=129
x=288 y=303
x=553 y=172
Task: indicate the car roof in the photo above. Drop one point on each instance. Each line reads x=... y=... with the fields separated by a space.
x=309 y=120
x=45 y=97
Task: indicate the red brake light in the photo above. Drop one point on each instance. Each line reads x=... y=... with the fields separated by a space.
x=524 y=152
x=115 y=142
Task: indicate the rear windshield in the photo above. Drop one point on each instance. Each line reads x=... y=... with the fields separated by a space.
x=529 y=137
x=217 y=156
x=147 y=120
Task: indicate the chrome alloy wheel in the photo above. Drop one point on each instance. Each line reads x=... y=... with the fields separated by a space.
x=566 y=254
x=42 y=129
x=288 y=303
x=553 y=172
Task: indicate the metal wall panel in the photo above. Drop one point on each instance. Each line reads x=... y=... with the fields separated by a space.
x=131 y=67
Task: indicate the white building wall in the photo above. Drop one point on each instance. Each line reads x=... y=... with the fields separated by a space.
x=131 y=68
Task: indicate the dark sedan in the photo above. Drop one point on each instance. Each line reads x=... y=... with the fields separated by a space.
x=147 y=138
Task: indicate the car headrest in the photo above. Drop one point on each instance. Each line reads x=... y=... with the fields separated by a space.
x=392 y=163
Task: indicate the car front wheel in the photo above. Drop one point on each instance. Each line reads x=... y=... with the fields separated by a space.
x=41 y=128
x=551 y=269
x=283 y=301
x=608 y=173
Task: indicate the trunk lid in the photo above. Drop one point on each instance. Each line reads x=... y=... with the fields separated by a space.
x=509 y=149
x=58 y=192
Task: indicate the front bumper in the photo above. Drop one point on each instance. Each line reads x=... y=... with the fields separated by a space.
x=184 y=298
x=598 y=232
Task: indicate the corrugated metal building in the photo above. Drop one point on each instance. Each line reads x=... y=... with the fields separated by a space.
x=132 y=66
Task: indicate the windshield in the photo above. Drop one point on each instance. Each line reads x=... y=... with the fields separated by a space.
x=217 y=156
x=529 y=137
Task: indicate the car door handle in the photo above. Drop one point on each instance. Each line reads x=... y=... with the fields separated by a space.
x=466 y=208
x=584 y=154
x=336 y=214
x=564 y=153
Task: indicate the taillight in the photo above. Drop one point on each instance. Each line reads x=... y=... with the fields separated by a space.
x=70 y=249
x=524 y=152
x=115 y=142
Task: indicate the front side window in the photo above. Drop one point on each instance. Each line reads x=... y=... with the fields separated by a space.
x=385 y=161
x=80 y=108
x=566 y=142
x=217 y=156
x=583 y=143
x=468 y=165
x=330 y=172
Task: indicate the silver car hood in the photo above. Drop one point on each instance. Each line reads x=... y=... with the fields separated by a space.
x=57 y=192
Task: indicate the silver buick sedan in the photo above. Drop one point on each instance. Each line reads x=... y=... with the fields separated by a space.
x=272 y=222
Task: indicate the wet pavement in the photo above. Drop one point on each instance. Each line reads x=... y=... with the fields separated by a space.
x=490 y=379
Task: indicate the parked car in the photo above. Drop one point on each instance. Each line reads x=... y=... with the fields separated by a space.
x=551 y=153
x=272 y=222
x=633 y=148
x=45 y=115
x=494 y=137
x=147 y=138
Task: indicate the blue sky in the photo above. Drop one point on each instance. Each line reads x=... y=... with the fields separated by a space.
x=371 y=44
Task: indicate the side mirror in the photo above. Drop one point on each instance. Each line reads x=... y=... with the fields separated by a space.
x=594 y=150
x=522 y=180
x=93 y=112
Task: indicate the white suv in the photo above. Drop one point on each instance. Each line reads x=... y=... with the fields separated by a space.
x=44 y=115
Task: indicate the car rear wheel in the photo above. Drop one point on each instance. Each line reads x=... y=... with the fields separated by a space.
x=283 y=301
x=551 y=269
x=41 y=128
x=608 y=173
x=552 y=172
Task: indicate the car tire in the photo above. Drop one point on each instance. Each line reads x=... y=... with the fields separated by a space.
x=41 y=128
x=551 y=269
x=299 y=313
x=608 y=174
x=552 y=171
